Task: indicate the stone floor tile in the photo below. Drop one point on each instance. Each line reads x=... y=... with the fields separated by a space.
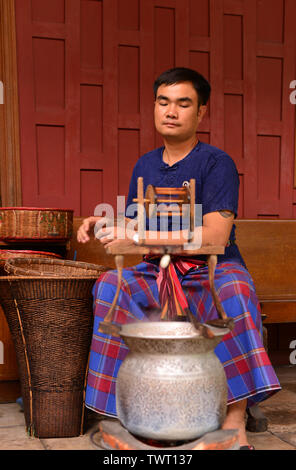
x=10 y=415
x=15 y=438
x=267 y=441
x=288 y=437
x=70 y=443
x=286 y=373
x=281 y=418
x=283 y=397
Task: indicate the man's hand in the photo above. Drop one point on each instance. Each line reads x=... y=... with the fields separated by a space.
x=109 y=235
x=85 y=227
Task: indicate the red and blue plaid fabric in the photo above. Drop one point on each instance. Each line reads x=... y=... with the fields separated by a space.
x=172 y=299
x=247 y=367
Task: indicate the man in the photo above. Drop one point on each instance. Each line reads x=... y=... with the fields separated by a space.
x=181 y=96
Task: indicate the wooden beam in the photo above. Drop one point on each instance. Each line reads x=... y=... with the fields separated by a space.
x=10 y=170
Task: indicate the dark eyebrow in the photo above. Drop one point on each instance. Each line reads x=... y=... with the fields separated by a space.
x=185 y=99
x=162 y=97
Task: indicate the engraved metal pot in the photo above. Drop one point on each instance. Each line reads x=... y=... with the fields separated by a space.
x=171 y=385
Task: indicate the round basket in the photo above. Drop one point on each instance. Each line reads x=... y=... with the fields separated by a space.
x=5 y=255
x=35 y=224
x=51 y=268
x=51 y=319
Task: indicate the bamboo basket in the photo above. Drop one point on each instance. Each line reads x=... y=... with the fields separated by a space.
x=51 y=318
x=5 y=255
x=51 y=267
x=35 y=224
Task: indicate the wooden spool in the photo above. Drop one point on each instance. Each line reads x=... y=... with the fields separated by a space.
x=165 y=202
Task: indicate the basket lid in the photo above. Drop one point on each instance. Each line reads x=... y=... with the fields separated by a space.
x=51 y=267
x=29 y=252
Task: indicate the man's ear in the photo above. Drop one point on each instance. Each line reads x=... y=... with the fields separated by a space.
x=201 y=112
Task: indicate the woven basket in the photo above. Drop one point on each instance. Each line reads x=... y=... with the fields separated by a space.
x=51 y=320
x=5 y=255
x=51 y=268
x=35 y=224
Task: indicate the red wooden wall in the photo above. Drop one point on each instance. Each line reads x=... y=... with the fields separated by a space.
x=86 y=69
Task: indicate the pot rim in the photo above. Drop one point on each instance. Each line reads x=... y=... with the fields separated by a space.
x=125 y=330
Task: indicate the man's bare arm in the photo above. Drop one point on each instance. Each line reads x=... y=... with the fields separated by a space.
x=216 y=228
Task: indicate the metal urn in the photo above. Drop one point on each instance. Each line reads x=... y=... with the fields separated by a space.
x=171 y=385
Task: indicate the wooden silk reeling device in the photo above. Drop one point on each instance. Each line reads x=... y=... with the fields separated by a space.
x=166 y=202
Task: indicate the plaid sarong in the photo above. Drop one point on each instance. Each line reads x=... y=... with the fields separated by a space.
x=247 y=367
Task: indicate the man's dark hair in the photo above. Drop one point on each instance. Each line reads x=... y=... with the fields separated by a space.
x=182 y=74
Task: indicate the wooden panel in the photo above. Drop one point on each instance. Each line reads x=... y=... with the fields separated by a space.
x=217 y=79
x=270 y=20
x=91 y=119
x=50 y=164
x=49 y=79
x=269 y=92
x=250 y=111
x=128 y=153
x=199 y=18
x=200 y=61
x=91 y=193
x=128 y=15
x=128 y=79
x=269 y=163
x=91 y=34
x=233 y=125
x=233 y=37
x=10 y=172
x=279 y=312
x=48 y=10
x=164 y=45
x=269 y=248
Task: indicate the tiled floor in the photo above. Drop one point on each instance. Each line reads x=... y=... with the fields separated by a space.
x=279 y=409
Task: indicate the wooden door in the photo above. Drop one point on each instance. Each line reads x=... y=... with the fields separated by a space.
x=86 y=69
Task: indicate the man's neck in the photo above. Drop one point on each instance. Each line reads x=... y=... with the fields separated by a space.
x=176 y=151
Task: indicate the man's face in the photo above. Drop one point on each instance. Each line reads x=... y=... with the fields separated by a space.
x=176 y=113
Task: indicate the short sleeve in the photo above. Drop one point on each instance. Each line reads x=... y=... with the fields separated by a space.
x=220 y=185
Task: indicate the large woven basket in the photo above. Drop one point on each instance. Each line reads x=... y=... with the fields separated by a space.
x=35 y=224
x=5 y=255
x=51 y=267
x=51 y=319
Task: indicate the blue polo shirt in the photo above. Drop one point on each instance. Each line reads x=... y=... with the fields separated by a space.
x=216 y=180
